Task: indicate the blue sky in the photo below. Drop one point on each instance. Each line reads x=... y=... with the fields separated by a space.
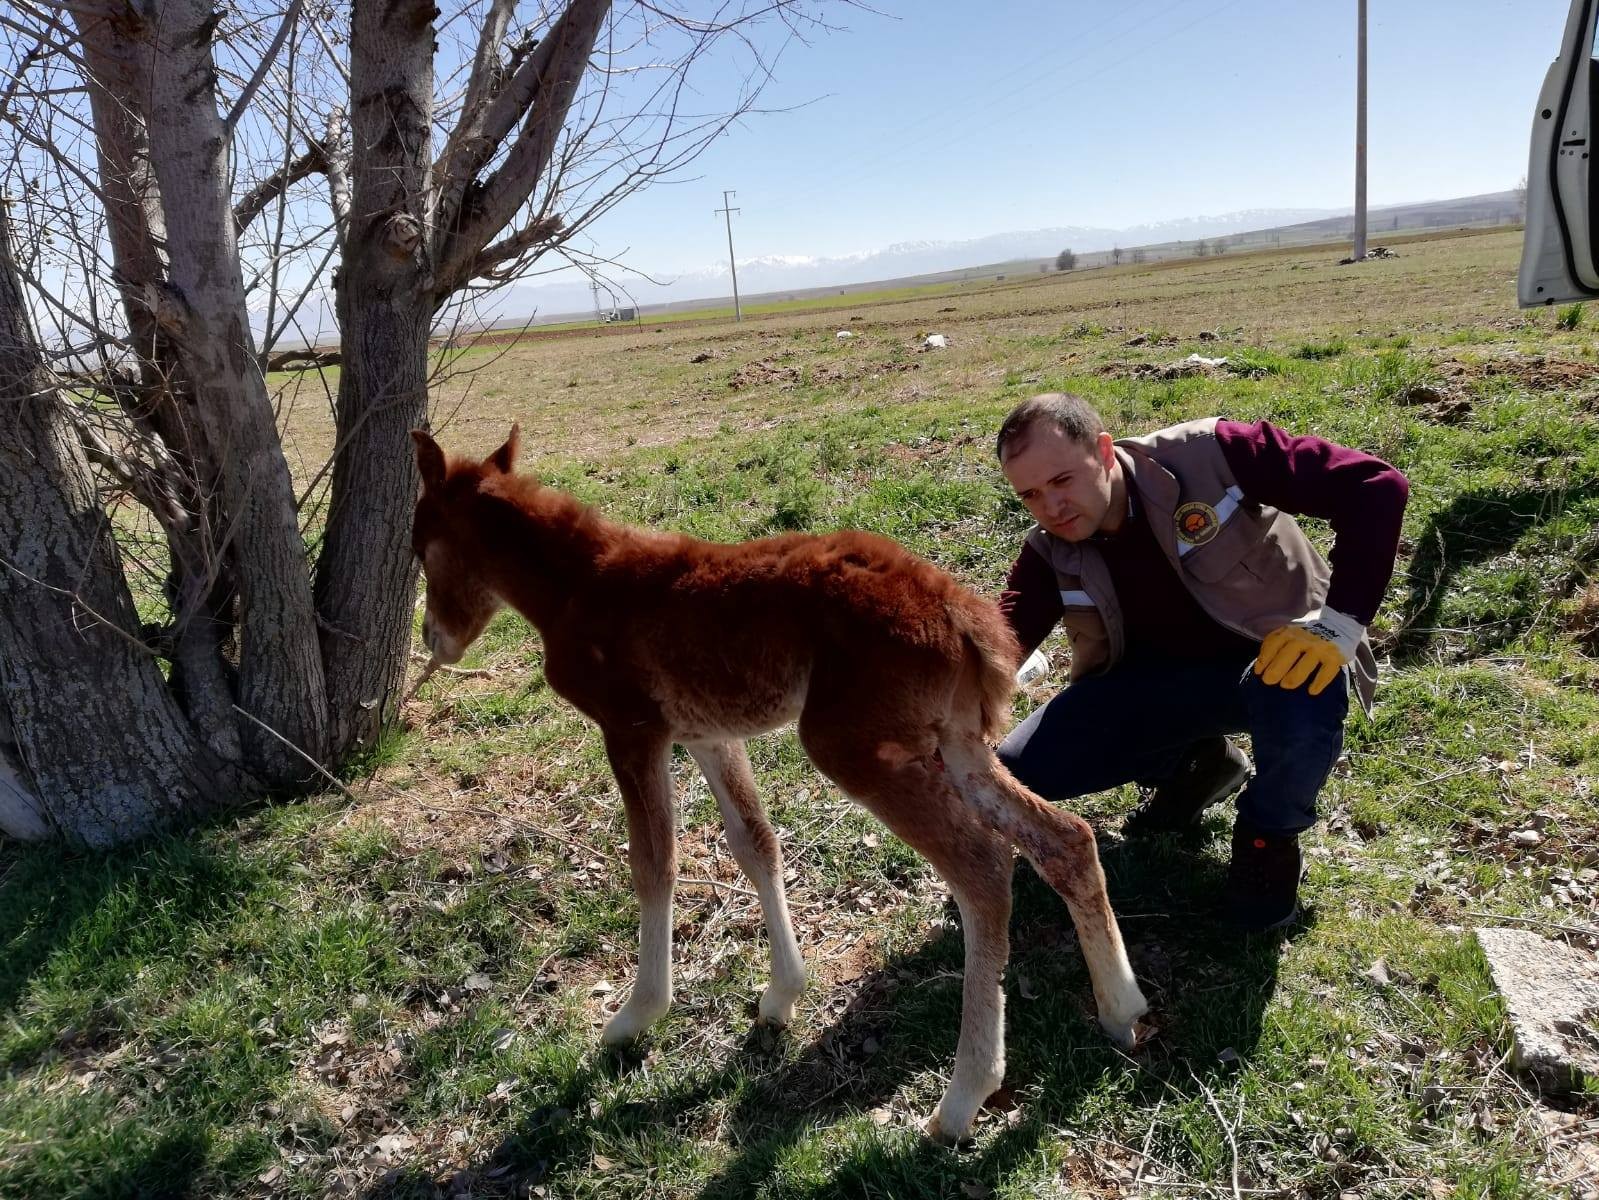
x=947 y=120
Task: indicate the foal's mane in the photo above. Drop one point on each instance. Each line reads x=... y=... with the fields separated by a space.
x=555 y=511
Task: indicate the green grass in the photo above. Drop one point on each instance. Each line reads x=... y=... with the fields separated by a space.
x=375 y=994
x=840 y=299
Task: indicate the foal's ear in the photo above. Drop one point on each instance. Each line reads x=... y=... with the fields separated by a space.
x=503 y=459
x=429 y=458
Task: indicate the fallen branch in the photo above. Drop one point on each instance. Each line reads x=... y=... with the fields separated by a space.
x=1232 y=1142
x=316 y=766
x=434 y=664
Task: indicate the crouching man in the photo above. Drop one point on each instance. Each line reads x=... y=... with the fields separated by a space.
x=1196 y=607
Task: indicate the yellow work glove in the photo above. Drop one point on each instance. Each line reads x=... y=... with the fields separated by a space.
x=1320 y=644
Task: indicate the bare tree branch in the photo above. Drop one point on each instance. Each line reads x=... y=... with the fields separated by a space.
x=485 y=212
x=251 y=204
x=231 y=121
x=479 y=134
x=484 y=79
x=338 y=169
x=491 y=261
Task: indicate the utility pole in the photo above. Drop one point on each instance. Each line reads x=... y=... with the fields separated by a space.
x=1360 y=135
x=594 y=294
x=738 y=313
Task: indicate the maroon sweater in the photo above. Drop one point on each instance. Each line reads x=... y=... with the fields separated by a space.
x=1359 y=495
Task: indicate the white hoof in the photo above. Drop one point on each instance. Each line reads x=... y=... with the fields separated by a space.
x=1119 y=1018
x=951 y=1120
x=1125 y=1028
x=1123 y=1033
x=777 y=1007
x=632 y=1019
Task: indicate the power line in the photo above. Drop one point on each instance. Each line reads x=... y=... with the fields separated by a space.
x=732 y=265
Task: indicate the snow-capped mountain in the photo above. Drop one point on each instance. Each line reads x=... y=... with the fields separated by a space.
x=796 y=272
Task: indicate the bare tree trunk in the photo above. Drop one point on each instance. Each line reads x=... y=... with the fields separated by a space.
x=267 y=669
x=280 y=667
x=365 y=577
x=104 y=753
x=200 y=584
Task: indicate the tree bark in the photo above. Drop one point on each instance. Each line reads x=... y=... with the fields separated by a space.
x=365 y=577
x=281 y=683
x=200 y=584
x=104 y=753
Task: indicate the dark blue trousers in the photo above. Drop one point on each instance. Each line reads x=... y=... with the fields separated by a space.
x=1136 y=722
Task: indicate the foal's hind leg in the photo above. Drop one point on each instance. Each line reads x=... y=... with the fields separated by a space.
x=979 y=876
x=754 y=844
x=641 y=765
x=918 y=804
x=1060 y=845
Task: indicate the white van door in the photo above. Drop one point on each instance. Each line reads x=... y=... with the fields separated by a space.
x=1559 y=255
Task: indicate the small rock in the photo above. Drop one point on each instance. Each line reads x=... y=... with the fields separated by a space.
x=844 y=335
x=1526 y=838
x=935 y=341
x=1378 y=974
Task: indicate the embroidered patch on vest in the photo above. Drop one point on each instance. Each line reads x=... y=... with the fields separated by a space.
x=1196 y=522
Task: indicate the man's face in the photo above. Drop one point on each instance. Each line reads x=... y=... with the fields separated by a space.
x=1066 y=485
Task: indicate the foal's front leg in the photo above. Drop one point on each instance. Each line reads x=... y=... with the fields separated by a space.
x=641 y=764
x=754 y=844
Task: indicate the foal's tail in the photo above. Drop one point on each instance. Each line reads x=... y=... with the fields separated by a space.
x=988 y=674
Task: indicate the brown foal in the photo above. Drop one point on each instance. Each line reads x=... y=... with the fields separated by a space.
x=887 y=664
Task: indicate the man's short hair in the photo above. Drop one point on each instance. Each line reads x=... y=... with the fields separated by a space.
x=1072 y=415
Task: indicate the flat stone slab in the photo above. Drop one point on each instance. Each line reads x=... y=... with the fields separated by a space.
x=1551 y=993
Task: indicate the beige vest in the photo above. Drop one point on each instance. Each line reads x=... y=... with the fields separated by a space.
x=1249 y=566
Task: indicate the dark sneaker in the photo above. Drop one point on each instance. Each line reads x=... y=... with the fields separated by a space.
x=1214 y=770
x=1263 y=880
